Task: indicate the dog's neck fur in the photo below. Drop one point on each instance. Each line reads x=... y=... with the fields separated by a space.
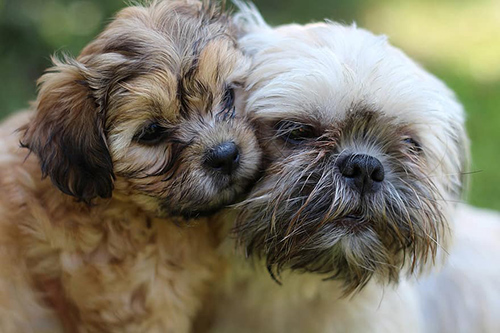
x=248 y=300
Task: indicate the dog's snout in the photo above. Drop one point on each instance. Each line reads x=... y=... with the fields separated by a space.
x=363 y=172
x=223 y=158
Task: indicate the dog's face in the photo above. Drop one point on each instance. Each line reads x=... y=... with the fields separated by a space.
x=148 y=112
x=365 y=153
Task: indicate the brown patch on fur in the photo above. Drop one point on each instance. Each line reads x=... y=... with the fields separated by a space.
x=67 y=136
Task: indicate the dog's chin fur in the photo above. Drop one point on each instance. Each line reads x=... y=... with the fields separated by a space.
x=318 y=94
x=226 y=198
x=113 y=162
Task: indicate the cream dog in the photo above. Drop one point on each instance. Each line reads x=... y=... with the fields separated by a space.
x=366 y=155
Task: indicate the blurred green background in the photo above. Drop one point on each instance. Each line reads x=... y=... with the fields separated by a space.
x=458 y=40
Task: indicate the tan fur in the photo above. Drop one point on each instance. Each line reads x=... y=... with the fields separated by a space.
x=123 y=256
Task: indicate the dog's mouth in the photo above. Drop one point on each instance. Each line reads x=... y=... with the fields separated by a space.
x=352 y=223
x=196 y=212
x=226 y=196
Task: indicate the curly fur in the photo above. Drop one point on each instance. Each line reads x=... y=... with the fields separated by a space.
x=103 y=232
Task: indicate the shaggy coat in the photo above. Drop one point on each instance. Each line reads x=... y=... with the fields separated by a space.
x=366 y=154
x=107 y=210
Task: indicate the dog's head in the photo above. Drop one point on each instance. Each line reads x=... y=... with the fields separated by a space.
x=365 y=153
x=148 y=111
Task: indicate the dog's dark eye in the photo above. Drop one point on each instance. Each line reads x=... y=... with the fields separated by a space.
x=150 y=134
x=228 y=99
x=412 y=144
x=295 y=133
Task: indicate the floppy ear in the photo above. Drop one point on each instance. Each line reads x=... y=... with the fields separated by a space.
x=67 y=133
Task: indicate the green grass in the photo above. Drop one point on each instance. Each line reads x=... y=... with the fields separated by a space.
x=482 y=104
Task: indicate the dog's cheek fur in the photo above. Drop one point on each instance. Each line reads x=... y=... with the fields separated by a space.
x=67 y=135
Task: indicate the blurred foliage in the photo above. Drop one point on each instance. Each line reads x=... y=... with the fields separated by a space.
x=458 y=40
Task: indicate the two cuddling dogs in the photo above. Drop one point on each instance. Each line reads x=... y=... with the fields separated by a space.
x=112 y=222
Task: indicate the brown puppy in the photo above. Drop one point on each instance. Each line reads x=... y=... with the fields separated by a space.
x=143 y=130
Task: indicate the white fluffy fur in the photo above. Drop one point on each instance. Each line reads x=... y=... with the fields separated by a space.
x=329 y=68
x=463 y=297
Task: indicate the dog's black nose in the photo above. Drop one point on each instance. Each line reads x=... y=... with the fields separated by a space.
x=363 y=172
x=223 y=158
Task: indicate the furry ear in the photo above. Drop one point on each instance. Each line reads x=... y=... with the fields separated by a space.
x=248 y=18
x=67 y=133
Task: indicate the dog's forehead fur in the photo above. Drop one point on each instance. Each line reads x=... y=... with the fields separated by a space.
x=177 y=55
x=166 y=33
x=343 y=66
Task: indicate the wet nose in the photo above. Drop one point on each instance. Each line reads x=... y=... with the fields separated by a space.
x=223 y=158
x=363 y=172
